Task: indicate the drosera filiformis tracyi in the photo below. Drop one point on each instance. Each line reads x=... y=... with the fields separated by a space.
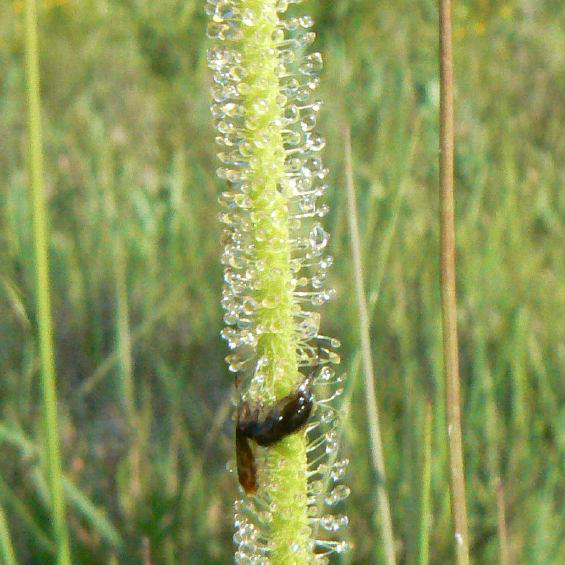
x=275 y=269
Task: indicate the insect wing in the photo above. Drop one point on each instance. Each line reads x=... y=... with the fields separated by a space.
x=246 y=466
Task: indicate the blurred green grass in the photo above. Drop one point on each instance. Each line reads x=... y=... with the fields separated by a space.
x=135 y=247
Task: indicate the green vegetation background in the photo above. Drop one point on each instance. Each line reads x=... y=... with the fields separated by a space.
x=136 y=277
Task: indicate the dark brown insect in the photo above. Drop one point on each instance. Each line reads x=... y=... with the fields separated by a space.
x=246 y=467
x=286 y=417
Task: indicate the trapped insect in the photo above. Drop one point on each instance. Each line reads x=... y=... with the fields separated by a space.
x=286 y=417
x=246 y=466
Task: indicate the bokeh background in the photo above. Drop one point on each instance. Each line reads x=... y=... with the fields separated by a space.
x=136 y=279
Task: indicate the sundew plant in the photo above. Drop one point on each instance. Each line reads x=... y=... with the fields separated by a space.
x=276 y=264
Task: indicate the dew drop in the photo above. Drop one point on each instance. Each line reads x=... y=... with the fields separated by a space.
x=233 y=33
x=225 y=11
x=316 y=487
x=315 y=142
x=334 y=523
x=342 y=547
x=327 y=417
x=308 y=123
x=306 y=39
x=311 y=64
x=339 y=468
x=287 y=56
x=318 y=238
x=292 y=24
x=331 y=443
x=291 y=114
x=306 y=22
x=216 y=30
x=337 y=495
x=326 y=374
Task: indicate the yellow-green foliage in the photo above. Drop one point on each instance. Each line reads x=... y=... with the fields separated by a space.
x=125 y=103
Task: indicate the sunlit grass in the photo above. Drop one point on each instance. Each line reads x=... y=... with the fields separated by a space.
x=106 y=87
x=51 y=455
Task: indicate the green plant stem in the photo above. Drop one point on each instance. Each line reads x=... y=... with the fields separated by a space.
x=8 y=557
x=284 y=472
x=377 y=453
x=43 y=303
x=25 y=517
x=448 y=289
x=123 y=331
x=425 y=505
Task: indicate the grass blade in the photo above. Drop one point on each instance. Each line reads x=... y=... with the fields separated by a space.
x=6 y=548
x=92 y=514
x=76 y=498
x=43 y=300
x=370 y=393
x=425 y=505
x=504 y=542
x=25 y=517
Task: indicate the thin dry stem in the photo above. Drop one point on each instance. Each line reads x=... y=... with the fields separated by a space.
x=370 y=392
x=504 y=547
x=448 y=290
